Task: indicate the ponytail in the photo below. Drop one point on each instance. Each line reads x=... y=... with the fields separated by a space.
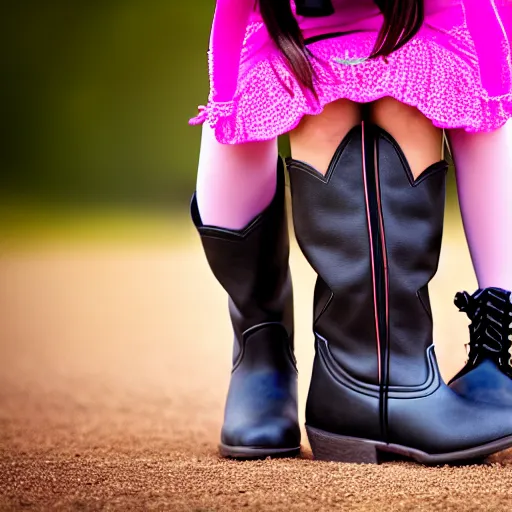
x=286 y=34
x=402 y=21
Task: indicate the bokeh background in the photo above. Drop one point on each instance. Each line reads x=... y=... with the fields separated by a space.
x=115 y=344
x=95 y=102
x=96 y=97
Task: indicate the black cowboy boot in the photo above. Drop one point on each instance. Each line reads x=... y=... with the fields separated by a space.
x=373 y=235
x=487 y=376
x=252 y=266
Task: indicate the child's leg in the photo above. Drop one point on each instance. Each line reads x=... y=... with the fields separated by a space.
x=483 y=163
x=234 y=183
x=243 y=187
x=316 y=138
x=419 y=139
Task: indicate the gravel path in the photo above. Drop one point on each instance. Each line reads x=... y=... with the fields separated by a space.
x=113 y=369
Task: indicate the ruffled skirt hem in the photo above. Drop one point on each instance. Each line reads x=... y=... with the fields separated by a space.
x=441 y=82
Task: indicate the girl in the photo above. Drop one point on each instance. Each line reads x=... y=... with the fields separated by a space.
x=365 y=89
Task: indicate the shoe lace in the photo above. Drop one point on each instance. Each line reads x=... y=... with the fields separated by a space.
x=490 y=312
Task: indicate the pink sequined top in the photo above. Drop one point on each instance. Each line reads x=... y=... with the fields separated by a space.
x=489 y=22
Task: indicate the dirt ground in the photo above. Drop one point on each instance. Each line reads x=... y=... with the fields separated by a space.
x=114 y=363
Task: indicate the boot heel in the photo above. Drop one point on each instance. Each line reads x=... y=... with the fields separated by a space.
x=335 y=448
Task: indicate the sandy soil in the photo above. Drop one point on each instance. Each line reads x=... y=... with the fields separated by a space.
x=113 y=368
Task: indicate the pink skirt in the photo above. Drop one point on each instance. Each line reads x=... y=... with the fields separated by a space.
x=438 y=72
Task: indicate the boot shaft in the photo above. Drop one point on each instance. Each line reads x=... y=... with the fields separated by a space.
x=252 y=265
x=373 y=234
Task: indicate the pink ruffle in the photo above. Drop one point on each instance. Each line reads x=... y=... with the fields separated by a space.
x=443 y=83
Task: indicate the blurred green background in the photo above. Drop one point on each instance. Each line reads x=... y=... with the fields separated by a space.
x=95 y=102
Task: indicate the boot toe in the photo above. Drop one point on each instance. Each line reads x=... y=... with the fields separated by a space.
x=277 y=433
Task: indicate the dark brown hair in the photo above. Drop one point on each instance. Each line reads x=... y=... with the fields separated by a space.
x=402 y=20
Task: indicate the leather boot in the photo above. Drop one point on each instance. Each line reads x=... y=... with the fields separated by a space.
x=487 y=375
x=252 y=265
x=373 y=235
